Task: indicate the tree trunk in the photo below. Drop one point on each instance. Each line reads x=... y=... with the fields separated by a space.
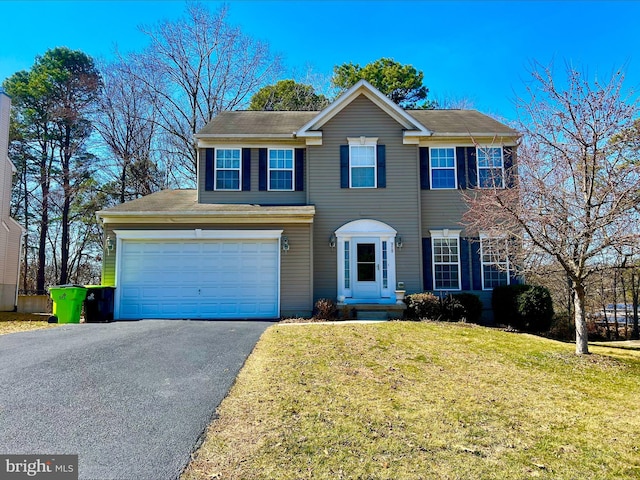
x=582 y=341
x=66 y=205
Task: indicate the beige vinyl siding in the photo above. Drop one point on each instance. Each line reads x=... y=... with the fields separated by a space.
x=442 y=209
x=10 y=230
x=254 y=196
x=396 y=205
x=295 y=273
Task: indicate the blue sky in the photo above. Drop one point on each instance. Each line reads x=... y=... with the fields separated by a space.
x=477 y=50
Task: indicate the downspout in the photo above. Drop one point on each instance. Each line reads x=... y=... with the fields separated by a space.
x=23 y=234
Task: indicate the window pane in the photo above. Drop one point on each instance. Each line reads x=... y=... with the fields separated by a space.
x=493 y=276
x=385 y=266
x=366 y=258
x=442 y=157
x=347 y=272
x=366 y=272
x=228 y=180
x=281 y=159
x=443 y=179
x=446 y=277
x=363 y=155
x=490 y=157
x=363 y=177
x=227 y=158
x=281 y=180
x=490 y=177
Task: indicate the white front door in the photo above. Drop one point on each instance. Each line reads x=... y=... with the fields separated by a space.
x=366 y=262
x=366 y=268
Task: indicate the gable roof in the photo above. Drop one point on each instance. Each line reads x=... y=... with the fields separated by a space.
x=362 y=87
x=308 y=125
x=255 y=123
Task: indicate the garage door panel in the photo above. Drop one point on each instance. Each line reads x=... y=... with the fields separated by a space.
x=198 y=279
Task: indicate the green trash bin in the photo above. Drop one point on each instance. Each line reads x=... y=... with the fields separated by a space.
x=67 y=302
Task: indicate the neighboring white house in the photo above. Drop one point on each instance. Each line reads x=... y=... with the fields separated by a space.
x=10 y=231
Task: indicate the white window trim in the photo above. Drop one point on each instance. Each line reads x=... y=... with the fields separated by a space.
x=484 y=236
x=216 y=169
x=364 y=142
x=446 y=234
x=455 y=168
x=478 y=168
x=293 y=171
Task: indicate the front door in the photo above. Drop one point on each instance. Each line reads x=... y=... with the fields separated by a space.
x=366 y=257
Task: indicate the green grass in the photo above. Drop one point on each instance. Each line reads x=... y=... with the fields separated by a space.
x=424 y=401
x=12 y=322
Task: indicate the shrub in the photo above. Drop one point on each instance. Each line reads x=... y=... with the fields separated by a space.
x=535 y=308
x=523 y=307
x=504 y=304
x=325 y=309
x=422 y=306
x=472 y=306
x=451 y=309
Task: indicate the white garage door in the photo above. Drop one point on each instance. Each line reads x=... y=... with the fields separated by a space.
x=221 y=278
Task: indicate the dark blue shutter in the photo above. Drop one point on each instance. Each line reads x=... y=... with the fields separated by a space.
x=461 y=166
x=465 y=264
x=425 y=181
x=246 y=169
x=300 y=154
x=382 y=167
x=472 y=167
x=208 y=167
x=509 y=171
x=344 y=166
x=476 y=265
x=427 y=267
x=262 y=169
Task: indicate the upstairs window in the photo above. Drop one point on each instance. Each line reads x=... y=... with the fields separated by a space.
x=362 y=162
x=281 y=169
x=227 y=169
x=490 y=167
x=443 y=168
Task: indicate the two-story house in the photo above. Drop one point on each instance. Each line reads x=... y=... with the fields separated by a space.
x=291 y=207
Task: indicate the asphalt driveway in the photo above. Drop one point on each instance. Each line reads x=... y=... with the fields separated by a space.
x=132 y=399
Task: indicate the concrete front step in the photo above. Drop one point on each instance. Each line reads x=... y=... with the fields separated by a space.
x=371 y=311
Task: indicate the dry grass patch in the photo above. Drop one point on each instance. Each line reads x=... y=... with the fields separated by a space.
x=12 y=322
x=423 y=401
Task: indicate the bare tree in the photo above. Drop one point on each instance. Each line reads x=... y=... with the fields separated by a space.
x=126 y=120
x=195 y=68
x=577 y=192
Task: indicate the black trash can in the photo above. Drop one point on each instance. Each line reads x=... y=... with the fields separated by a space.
x=98 y=305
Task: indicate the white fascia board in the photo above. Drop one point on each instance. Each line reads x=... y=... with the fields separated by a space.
x=198 y=234
x=373 y=94
x=246 y=217
x=205 y=139
x=475 y=134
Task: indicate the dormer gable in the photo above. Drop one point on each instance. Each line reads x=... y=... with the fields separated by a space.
x=413 y=129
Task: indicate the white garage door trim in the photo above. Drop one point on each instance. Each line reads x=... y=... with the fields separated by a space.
x=197 y=234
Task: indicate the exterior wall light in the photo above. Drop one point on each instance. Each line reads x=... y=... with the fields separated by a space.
x=285 y=244
x=332 y=240
x=399 y=242
x=109 y=244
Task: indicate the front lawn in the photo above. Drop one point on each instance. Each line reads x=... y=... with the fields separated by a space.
x=11 y=322
x=424 y=401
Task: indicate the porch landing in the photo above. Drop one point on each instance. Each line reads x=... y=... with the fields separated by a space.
x=372 y=311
